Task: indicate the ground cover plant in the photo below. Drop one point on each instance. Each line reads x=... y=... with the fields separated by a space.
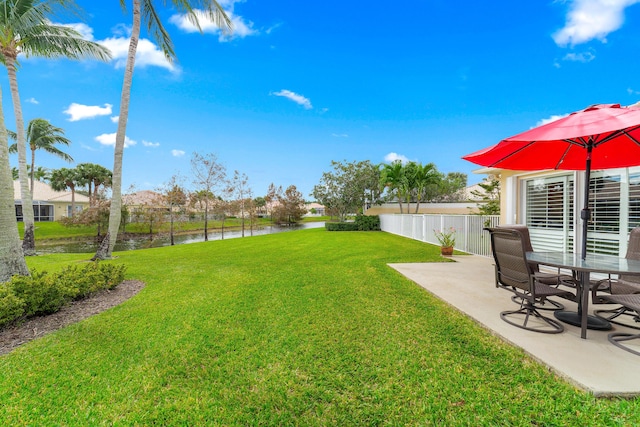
x=302 y=328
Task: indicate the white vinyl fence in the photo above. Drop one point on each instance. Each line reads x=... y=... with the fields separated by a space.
x=470 y=236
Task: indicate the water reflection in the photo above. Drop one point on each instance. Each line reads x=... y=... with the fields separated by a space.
x=143 y=242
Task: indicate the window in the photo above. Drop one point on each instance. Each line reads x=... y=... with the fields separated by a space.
x=614 y=201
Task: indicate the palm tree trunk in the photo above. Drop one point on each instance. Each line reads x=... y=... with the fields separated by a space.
x=11 y=257
x=104 y=252
x=33 y=168
x=28 y=243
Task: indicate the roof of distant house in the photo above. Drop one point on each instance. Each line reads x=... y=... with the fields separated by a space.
x=143 y=197
x=43 y=192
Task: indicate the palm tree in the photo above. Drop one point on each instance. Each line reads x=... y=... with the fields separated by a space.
x=40 y=174
x=94 y=175
x=213 y=11
x=64 y=178
x=25 y=29
x=42 y=135
x=393 y=177
x=11 y=256
x=425 y=182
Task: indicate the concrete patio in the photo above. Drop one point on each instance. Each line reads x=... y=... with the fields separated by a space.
x=593 y=364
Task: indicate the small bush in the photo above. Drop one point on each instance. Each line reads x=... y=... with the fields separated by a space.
x=11 y=307
x=341 y=226
x=368 y=222
x=361 y=223
x=43 y=293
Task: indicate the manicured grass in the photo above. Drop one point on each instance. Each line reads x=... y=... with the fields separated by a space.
x=302 y=328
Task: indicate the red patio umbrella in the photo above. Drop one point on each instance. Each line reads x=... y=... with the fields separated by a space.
x=602 y=136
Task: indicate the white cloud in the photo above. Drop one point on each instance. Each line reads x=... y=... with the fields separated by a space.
x=591 y=19
x=550 y=119
x=150 y=144
x=80 y=112
x=32 y=101
x=239 y=27
x=579 y=57
x=298 y=99
x=147 y=53
x=340 y=135
x=115 y=119
x=110 y=139
x=392 y=157
x=177 y=153
x=85 y=31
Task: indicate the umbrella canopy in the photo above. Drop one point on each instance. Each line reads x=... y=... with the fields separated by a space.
x=612 y=132
x=602 y=136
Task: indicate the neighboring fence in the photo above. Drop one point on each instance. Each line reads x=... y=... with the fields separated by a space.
x=469 y=234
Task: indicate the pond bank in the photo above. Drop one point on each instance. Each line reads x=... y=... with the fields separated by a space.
x=133 y=241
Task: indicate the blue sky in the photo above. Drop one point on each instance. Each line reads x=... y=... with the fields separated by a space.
x=301 y=83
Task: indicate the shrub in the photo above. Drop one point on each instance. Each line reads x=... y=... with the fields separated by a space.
x=341 y=226
x=40 y=293
x=11 y=307
x=361 y=223
x=368 y=222
x=43 y=293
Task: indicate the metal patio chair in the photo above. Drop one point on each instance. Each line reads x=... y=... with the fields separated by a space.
x=551 y=279
x=623 y=285
x=514 y=274
x=632 y=304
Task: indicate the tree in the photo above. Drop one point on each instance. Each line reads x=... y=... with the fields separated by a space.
x=40 y=174
x=64 y=178
x=422 y=181
x=239 y=191
x=94 y=176
x=42 y=135
x=490 y=204
x=393 y=178
x=289 y=208
x=26 y=29
x=174 y=197
x=209 y=176
x=11 y=256
x=451 y=187
x=349 y=188
x=213 y=11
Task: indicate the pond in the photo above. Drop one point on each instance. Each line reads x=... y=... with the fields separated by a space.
x=143 y=242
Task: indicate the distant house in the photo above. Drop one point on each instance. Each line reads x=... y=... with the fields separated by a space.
x=318 y=209
x=49 y=205
x=144 y=199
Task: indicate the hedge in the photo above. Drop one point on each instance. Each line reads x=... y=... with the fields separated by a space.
x=43 y=293
x=361 y=223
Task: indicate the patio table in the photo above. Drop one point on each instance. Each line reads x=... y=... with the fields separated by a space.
x=593 y=263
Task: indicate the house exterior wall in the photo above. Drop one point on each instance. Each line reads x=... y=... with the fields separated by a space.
x=530 y=197
x=43 y=195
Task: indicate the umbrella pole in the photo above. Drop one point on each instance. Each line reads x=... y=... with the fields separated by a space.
x=585 y=215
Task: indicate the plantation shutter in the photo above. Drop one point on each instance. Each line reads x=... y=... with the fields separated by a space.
x=546 y=212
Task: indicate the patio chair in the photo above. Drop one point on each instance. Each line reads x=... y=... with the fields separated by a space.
x=551 y=279
x=623 y=285
x=632 y=304
x=514 y=274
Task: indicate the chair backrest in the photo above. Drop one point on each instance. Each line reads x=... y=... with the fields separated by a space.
x=509 y=254
x=526 y=240
x=633 y=252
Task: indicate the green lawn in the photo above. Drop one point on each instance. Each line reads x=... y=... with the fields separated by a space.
x=302 y=328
